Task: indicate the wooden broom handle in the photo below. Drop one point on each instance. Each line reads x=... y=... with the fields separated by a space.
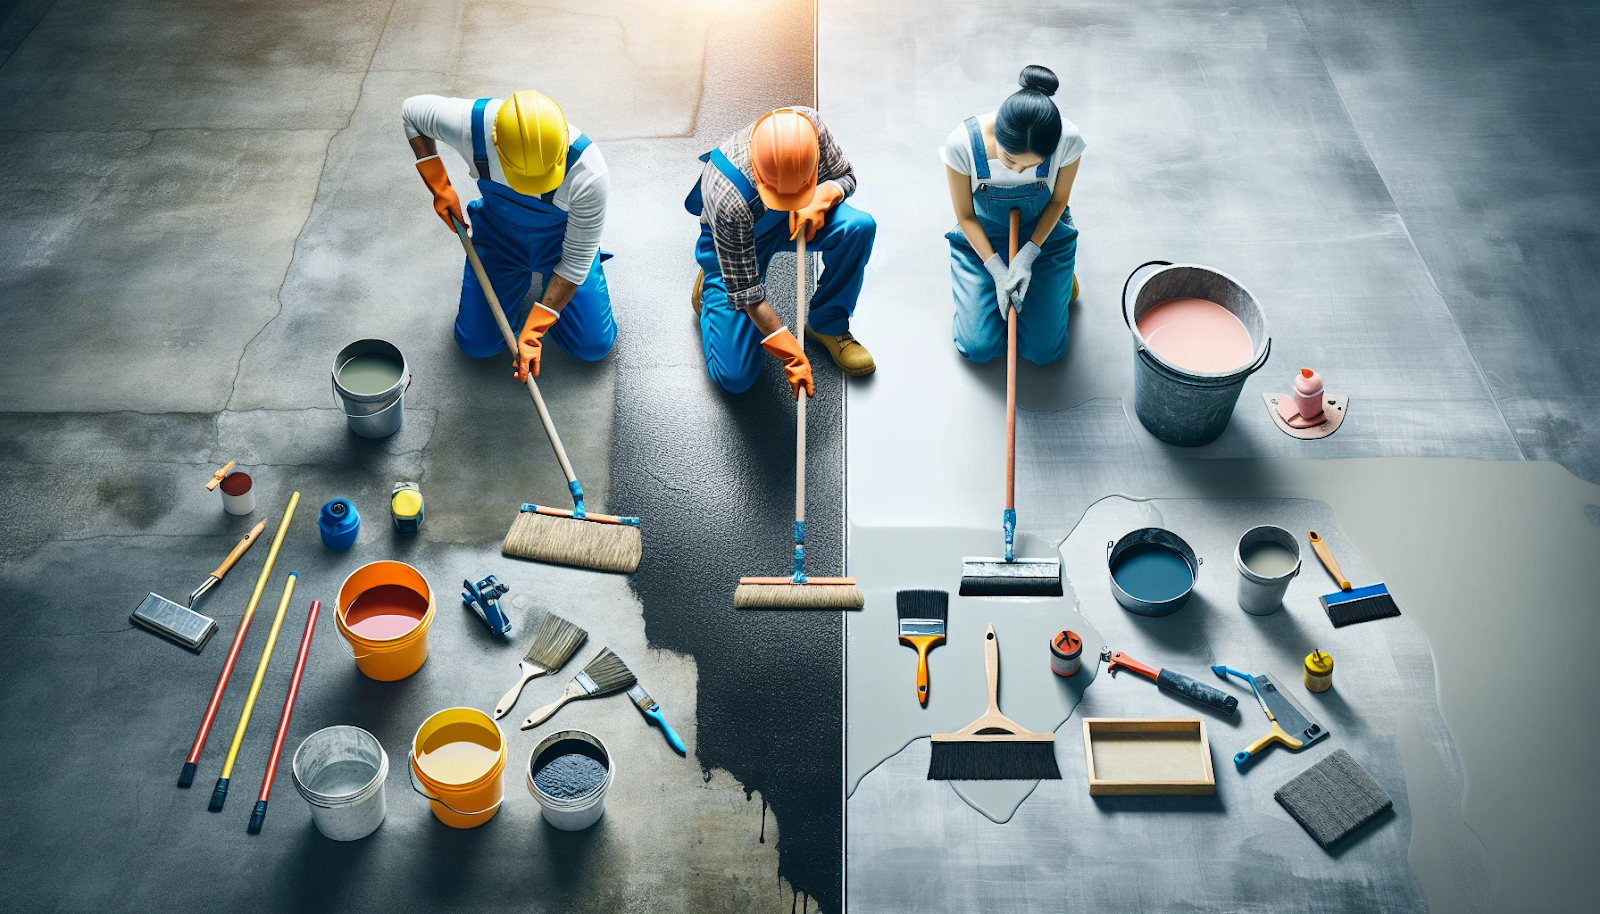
x=511 y=343
x=1011 y=381
x=1328 y=561
x=239 y=550
x=800 y=401
x=991 y=667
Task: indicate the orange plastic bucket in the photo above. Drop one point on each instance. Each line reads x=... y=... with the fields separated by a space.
x=384 y=611
x=458 y=762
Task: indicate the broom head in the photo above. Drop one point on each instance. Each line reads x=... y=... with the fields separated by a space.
x=784 y=593
x=996 y=577
x=994 y=757
x=593 y=544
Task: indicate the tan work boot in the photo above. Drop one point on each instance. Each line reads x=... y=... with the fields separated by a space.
x=699 y=286
x=1069 y=301
x=852 y=358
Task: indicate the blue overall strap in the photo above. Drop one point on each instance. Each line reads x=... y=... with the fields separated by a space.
x=980 y=156
x=575 y=150
x=480 y=144
x=733 y=174
x=1043 y=171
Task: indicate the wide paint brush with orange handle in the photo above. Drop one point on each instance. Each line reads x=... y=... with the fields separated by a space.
x=923 y=614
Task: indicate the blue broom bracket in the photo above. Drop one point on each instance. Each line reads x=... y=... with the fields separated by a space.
x=1008 y=521
x=577 y=499
x=799 y=564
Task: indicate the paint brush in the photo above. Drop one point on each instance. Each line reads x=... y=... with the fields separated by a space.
x=259 y=816
x=923 y=614
x=605 y=674
x=650 y=709
x=555 y=644
x=1349 y=605
x=994 y=747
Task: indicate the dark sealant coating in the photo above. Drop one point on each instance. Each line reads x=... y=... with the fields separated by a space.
x=570 y=776
x=712 y=475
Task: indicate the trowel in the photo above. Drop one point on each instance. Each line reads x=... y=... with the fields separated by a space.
x=1292 y=726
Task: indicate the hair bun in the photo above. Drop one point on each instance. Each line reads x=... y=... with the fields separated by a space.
x=1039 y=79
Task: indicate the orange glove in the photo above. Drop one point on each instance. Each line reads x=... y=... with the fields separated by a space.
x=530 y=345
x=815 y=213
x=796 y=367
x=445 y=201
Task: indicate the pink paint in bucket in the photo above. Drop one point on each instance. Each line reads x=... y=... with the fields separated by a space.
x=1197 y=335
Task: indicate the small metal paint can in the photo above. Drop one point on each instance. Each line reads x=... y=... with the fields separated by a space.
x=1066 y=649
x=238 y=494
x=405 y=507
x=1319 y=671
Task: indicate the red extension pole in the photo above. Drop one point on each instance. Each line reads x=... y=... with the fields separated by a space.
x=259 y=816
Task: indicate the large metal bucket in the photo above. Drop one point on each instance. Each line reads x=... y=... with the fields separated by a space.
x=376 y=415
x=1179 y=406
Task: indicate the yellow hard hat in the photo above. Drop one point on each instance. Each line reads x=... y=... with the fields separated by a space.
x=530 y=136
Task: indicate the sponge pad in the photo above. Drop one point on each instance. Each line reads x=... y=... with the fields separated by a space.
x=1333 y=798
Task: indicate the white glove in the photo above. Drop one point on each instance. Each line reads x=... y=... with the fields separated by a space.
x=1020 y=275
x=997 y=268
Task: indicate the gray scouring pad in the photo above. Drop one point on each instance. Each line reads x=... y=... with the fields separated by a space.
x=1333 y=798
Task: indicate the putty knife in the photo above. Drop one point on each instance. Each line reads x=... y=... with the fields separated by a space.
x=1291 y=724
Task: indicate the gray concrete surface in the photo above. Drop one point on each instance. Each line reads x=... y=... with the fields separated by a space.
x=1329 y=156
x=207 y=202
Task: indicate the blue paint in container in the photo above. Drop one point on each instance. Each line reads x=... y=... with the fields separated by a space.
x=1152 y=571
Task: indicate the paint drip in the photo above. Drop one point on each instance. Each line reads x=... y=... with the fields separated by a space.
x=1152 y=573
x=386 y=611
x=370 y=374
x=458 y=753
x=1197 y=335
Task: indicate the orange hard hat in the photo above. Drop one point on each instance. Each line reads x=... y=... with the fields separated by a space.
x=783 y=153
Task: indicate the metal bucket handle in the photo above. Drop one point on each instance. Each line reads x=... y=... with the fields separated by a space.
x=349 y=415
x=411 y=775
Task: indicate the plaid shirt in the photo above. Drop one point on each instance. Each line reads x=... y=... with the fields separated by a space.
x=733 y=222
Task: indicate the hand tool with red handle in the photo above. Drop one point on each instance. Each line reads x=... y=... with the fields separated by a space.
x=1168 y=681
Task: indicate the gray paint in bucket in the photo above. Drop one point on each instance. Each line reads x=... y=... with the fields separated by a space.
x=1179 y=406
x=379 y=414
x=340 y=771
x=570 y=813
x=1258 y=594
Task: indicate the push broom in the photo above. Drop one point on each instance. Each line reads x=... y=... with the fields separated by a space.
x=799 y=591
x=994 y=747
x=603 y=542
x=1011 y=576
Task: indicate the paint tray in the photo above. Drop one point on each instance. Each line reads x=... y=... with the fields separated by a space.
x=1147 y=757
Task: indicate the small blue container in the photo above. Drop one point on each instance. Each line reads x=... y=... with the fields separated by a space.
x=339 y=524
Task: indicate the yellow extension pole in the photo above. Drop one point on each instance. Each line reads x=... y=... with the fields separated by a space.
x=220 y=795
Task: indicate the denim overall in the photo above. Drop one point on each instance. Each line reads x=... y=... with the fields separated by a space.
x=731 y=340
x=516 y=236
x=979 y=327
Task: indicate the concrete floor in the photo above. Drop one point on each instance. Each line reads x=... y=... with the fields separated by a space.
x=207 y=201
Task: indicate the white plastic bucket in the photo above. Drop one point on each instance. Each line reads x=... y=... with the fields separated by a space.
x=347 y=801
x=1261 y=595
x=578 y=812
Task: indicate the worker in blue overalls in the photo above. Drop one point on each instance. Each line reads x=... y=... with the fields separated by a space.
x=543 y=205
x=781 y=175
x=1023 y=157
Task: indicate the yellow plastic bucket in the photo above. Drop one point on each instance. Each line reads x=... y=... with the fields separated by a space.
x=384 y=610
x=458 y=759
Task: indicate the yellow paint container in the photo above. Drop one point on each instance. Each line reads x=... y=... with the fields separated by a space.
x=458 y=762
x=384 y=611
x=1319 y=671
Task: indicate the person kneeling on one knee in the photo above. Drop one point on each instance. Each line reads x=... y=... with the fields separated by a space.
x=1023 y=157
x=543 y=205
x=783 y=175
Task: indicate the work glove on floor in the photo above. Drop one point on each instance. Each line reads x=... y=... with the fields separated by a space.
x=1020 y=274
x=997 y=269
x=445 y=201
x=530 y=345
x=796 y=367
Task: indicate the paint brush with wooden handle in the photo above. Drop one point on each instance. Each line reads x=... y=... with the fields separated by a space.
x=605 y=674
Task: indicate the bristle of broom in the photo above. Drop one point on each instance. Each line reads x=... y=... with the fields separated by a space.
x=1021 y=578
x=798 y=596
x=994 y=761
x=609 y=673
x=579 y=543
x=1364 y=604
x=556 y=642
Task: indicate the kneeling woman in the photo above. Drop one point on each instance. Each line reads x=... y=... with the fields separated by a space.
x=1022 y=157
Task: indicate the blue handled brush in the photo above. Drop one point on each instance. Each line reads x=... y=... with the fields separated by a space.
x=1350 y=605
x=648 y=705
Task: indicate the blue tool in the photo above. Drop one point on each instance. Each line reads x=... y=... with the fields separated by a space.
x=648 y=706
x=484 y=599
x=1292 y=726
x=339 y=524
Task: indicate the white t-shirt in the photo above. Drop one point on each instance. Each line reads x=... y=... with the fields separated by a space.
x=583 y=191
x=957 y=153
